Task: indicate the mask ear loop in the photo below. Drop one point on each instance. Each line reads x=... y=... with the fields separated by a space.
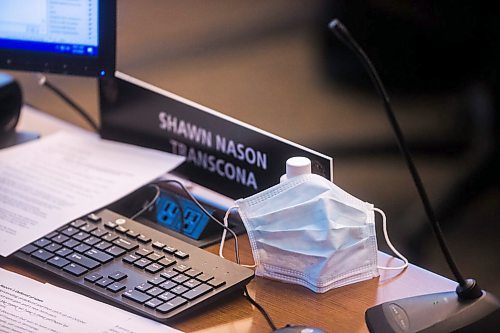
x=224 y=233
x=386 y=236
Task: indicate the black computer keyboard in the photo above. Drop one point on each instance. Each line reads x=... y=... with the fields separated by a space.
x=134 y=266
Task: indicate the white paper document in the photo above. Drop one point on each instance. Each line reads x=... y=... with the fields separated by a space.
x=49 y=182
x=29 y=306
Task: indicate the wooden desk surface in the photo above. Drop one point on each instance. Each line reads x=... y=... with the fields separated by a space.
x=339 y=310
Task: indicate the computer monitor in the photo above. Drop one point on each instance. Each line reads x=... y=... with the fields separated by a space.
x=76 y=37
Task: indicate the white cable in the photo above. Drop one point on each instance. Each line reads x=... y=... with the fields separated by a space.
x=223 y=238
x=386 y=235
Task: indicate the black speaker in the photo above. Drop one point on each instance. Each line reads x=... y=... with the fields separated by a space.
x=11 y=101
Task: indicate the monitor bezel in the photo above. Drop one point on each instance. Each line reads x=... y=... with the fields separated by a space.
x=104 y=64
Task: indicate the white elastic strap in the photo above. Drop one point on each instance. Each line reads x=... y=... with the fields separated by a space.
x=386 y=235
x=224 y=233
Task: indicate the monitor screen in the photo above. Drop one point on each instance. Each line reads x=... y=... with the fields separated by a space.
x=75 y=37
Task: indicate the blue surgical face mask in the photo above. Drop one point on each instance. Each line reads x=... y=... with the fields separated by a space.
x=308 y=231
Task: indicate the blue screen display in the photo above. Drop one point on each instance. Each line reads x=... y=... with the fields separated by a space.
x=53 y=26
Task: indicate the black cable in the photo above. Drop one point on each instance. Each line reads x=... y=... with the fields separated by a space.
x=344 y=35
x=43 y=81
x=260 y=308
x=150 y=203
x=188 y=193
x=236 y=249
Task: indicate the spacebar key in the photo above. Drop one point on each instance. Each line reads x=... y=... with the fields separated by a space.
x=136 y=296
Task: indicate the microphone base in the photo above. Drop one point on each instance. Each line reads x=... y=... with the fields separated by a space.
x=440 y=312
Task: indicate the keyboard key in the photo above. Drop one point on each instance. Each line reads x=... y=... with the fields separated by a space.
x=167 y=296
x=181 y=255
x=60 y=238
x=75 y=269
x=121 y=229
x=155 y=291
x=192 y=283
x=127 y=245
x=179 y=290
x=58 y=262
x=141 y=263
x=136 y=296
x=81 y=236
x=169 y=249
x=63 y=252
x=42 y=242
x=143 y=239
x=70 y=231
x=153 y=268
x=144 y=287
x=192 y=272
x=197 y=292
x=131 y=258
x=99 y=232
x=102 y=245
x=93 y=277
x=104 y=282
x=28 y=249
x=181 y=268
x=109 y=237
x=81 y=248
x=83 y=261
x=167 y=285
x=155 y=256
x=93 y=218
x=180 y=278
x=51 y=235
x=88 y=228
x=116 y=287
x=204 y=277
x=115 y=251
x=216 y=283
x=156 y=281
x=42 y=254
x=171 y=305
x=169 y=274
x=71 y=243
x=166 y=262
x=144 y=252
x=99 y=256
x=92 y=240
x=158 y=245
x=153 y=303
x=53 y=247
x=78 y=223
x=132 y=234
x=117 y=276
x=110 y=225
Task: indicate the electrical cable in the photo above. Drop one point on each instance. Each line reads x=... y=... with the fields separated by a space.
x=236 y=248
x=150 y=203
x=188 y=193
x=343 y=34
x=260 y=308
x=226 y=228
x=43 y=81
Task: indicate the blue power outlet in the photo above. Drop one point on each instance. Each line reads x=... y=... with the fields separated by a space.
x=182 y=215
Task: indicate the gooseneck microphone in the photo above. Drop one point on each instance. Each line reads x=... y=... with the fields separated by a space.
x=466 y=308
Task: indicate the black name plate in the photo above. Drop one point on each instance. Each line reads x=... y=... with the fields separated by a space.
x=222 y=153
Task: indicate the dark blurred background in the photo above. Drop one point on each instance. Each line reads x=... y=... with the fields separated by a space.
x=274 y=65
